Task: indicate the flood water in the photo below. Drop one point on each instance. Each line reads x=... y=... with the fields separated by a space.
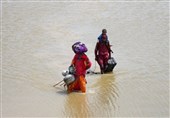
x=36 y=48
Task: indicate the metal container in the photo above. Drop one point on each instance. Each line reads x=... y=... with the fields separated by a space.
x=65 y=72
x=72 y=69
x=68 y=79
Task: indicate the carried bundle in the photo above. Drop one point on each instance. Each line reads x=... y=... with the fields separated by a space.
x=79 y=47
x=111 y=63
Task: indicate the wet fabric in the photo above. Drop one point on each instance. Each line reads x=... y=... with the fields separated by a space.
x=102 y=54
x=102 y=61
x=78 y=84
x=81 y=64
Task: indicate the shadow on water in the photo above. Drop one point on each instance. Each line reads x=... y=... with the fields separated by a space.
x=61 y=90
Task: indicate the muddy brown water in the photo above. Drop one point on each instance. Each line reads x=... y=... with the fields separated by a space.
x=36 y=48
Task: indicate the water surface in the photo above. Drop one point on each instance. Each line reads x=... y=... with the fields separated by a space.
x=36 y=48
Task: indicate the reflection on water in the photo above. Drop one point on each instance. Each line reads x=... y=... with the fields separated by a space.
x=77 y=105
x=36 y=47
x=100 y=103
x=107 y=94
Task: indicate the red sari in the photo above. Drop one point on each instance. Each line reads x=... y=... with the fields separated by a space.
x=102 y=53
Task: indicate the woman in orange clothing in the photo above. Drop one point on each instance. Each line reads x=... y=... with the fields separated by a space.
x=81 y=63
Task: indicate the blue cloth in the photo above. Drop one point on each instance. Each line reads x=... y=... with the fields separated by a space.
x=100 y=38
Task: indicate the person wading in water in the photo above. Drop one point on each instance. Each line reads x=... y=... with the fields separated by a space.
x=81 y=63
x=102 y=51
